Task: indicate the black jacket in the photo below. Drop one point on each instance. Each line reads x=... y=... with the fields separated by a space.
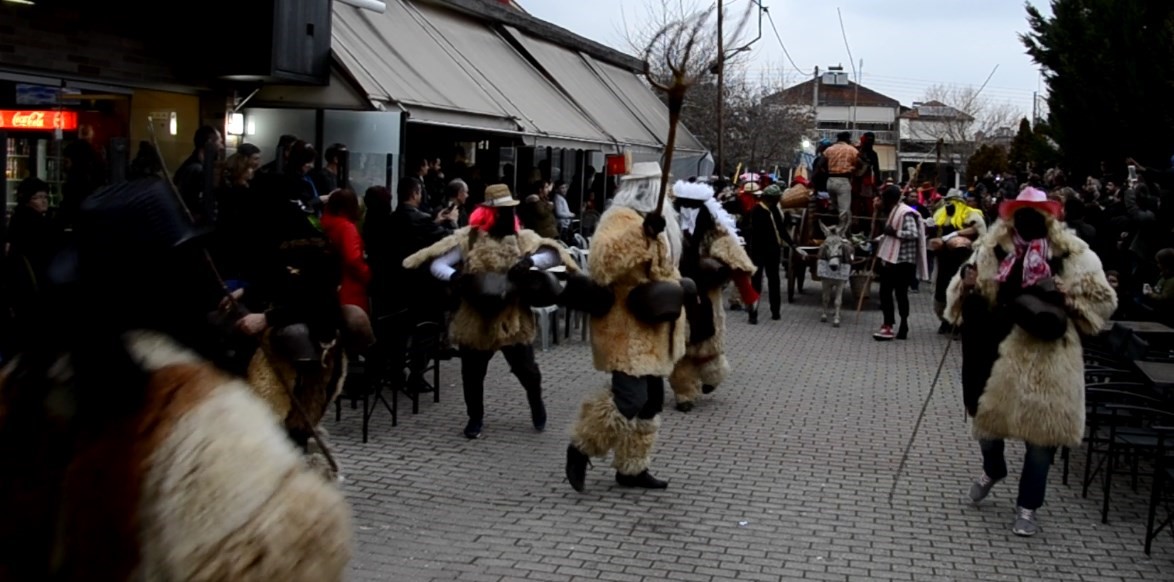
x=411 y=229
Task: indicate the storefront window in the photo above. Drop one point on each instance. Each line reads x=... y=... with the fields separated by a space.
x=372 y=139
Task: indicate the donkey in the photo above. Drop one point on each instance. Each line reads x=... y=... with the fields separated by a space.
x=835 y=265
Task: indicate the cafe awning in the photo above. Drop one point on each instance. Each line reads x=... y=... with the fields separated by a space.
x=572 y=72
x=638 y=96
x=444 y=68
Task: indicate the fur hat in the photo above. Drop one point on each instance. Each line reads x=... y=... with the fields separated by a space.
x=692 y=191
x=498 y=196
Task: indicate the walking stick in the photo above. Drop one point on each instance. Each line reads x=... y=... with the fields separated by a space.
x=921 y=416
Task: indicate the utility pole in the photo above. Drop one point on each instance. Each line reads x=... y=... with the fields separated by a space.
x=721 y=89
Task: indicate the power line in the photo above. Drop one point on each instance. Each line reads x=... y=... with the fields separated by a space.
x=781 y=45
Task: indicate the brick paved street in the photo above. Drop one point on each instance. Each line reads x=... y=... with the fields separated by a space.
x=782 y=474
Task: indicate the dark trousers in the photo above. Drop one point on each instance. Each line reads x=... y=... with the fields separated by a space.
x=637 y=396
x=1033 y=482
x=894 y=281
x=768 y=264
x=475 y=363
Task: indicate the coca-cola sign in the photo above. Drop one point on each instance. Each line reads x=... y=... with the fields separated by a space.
x=38 y=120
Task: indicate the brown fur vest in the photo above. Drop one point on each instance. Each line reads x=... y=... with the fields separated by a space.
x=482 y=253
x=622 y=258
x=1035 y=390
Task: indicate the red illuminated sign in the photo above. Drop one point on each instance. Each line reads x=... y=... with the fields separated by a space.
x=38 y=120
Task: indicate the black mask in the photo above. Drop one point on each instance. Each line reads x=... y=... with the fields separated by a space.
x=1030 y=224
x=950 y=210
x=503 y=224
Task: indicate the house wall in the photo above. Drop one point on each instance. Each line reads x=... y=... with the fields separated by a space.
x=863 y=114
x=922 y=130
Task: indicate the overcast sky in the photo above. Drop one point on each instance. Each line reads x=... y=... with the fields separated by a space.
x=906 y=45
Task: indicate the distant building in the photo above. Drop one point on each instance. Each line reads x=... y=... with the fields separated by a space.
x=922 y=127
x=837 y=104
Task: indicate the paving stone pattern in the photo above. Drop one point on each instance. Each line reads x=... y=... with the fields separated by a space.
x=782 y=474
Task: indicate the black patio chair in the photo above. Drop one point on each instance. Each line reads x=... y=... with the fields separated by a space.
x=1097 y=419
x=1162 y=483
x=1133 y=434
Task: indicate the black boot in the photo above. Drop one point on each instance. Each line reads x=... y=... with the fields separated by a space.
x=538 y=414
x=577 y=462
x=644 y=480
x=708 y=388
x=903 y=331
x=754 y=315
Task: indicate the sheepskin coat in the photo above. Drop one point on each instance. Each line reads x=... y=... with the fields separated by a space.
x=481 y=253
x=1018 y=386
x=721 y=245
x=622 y=258
x=197 y=481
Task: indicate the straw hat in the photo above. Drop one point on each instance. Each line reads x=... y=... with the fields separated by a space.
x=498 y=196
x=1031 y=198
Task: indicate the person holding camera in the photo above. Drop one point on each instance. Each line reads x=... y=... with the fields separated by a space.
x=1024 y=297
x=497 y=269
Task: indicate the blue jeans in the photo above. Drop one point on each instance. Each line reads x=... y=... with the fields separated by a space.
x=1033 y=482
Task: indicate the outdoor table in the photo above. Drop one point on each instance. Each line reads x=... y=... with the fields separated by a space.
x=1159 y=374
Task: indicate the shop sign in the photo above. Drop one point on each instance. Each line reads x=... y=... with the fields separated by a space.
x=38 y=120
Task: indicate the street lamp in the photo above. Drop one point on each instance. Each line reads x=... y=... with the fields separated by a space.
x=806 y=143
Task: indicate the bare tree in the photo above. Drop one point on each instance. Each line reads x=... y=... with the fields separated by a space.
x=757 y=134
x=964 y=124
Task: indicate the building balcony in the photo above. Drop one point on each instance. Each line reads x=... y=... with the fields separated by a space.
x=882 y=137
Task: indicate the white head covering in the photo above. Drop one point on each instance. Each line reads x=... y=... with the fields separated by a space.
x=704 y=193
x=640 y=193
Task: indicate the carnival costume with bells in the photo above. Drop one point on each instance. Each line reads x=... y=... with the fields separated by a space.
x=711 y=256
x=497 y=287
x=639 y=337
x=130 y=457
x=1022 y=366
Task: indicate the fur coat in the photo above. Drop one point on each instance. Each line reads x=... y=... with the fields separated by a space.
x=622 y=258
x=719 y=244
x=481 y=253
x=196 y=482
x=1018 y=386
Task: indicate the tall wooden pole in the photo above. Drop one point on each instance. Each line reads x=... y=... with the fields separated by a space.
x=721 y=86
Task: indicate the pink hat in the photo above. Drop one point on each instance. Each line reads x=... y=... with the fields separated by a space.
x=1031 y=198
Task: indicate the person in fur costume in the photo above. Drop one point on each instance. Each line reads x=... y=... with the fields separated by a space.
x=710 y=257
x=132 y=456
x=489 y=265
x=638 y=339
x=1023 y=299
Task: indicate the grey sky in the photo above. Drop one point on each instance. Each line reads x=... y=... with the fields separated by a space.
x=906 y=45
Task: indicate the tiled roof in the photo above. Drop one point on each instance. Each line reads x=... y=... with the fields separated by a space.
x=834 y=95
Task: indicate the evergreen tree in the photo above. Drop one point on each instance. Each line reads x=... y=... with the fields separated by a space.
x=987 y=158
x=1022 y=147
x=1109 y=67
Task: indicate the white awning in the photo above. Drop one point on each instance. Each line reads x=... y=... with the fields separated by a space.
x=447 y=69
x=395 y=58
x=640 y=99
x=571 y=71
